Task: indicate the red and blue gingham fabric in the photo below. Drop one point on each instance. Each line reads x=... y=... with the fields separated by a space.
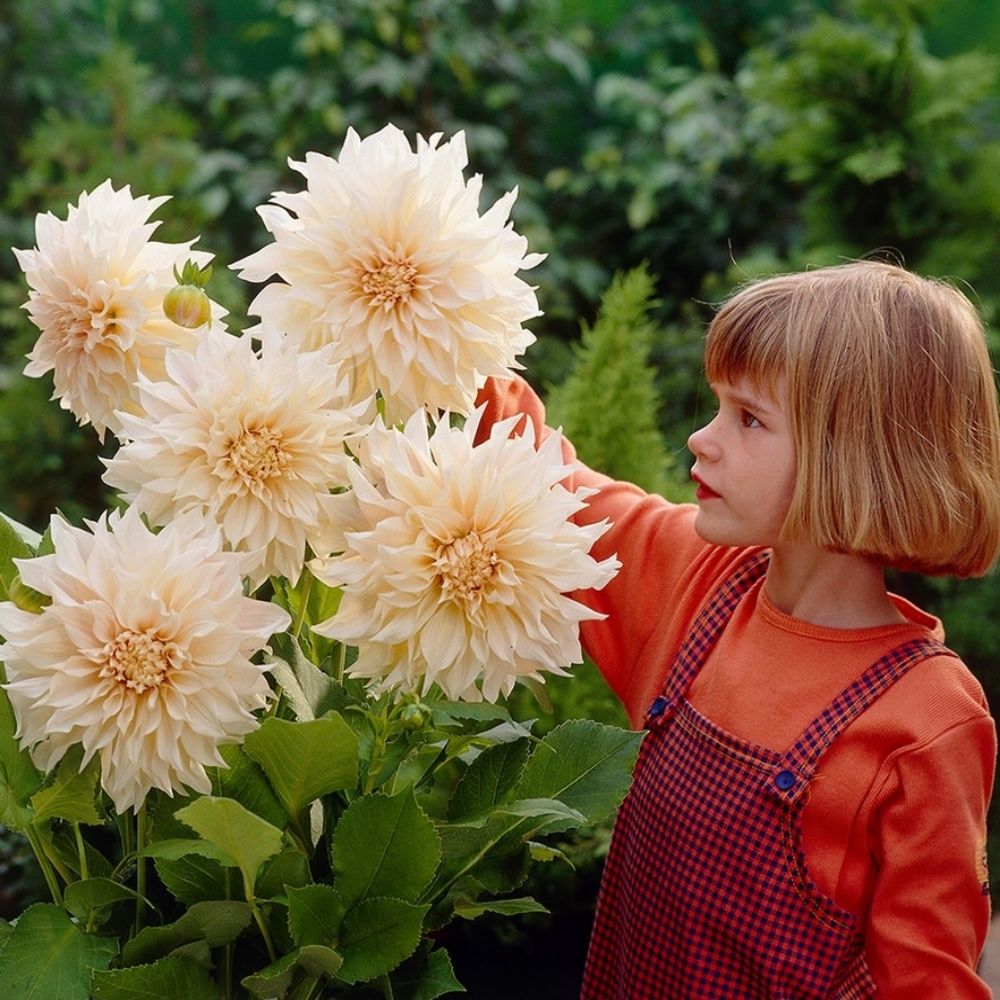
x=706 y=894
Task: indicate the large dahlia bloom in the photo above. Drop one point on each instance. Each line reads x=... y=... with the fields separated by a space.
x=97 y=283
x=253 y=440
x=386 y=257
x=455 y=560
x=142 y=657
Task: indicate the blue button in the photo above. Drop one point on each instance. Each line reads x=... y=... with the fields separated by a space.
x=784 y=780
x=658 y=707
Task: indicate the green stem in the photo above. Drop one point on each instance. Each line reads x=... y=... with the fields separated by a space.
x=262 y=924
x=227 y=970
x=300 y=615
x=341 y=662
x=54 y=860
x=386 y=985
x=378 y=752
x=81 y=851
x=43 y=862
x=140 y=869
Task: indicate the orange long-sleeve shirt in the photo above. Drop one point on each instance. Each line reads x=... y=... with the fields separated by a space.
x=894 y=827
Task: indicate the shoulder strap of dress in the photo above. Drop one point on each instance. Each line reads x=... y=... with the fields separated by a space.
x=706 y=630
x=792 y=774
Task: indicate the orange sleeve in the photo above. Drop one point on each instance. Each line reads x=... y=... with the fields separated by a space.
x=929 y=915
x=653 y=538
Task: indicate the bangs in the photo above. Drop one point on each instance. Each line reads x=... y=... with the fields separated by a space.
x=748 y=338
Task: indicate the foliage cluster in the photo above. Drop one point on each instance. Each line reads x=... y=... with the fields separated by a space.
x=717 y=142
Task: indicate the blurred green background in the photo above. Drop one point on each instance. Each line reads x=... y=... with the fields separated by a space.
x=684 y=146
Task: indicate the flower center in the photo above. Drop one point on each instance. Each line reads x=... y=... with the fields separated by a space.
x=257 y=454
x=139 y=660
x=389 y=282
x=465 y=566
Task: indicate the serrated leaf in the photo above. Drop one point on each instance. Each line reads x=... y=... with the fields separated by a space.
x=244 y=781
x=174 y=977
x=426 y=976
x=584 y=764
x=48 y=956
x=469 y=909
x=275 y=979
x=216 y=923
x=376 y=935
x=289 y=868
x=314 y=914
x=194 y=878
x=489 y=778
x=72 y=794
x=89 y=895
x=236 y=831
x=542 y=812
x=305 y=760
x=384 y=845
x=174 y=848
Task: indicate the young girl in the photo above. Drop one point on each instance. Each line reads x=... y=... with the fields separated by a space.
x=808 y=815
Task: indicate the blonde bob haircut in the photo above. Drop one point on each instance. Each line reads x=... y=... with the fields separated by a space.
x=892 y=405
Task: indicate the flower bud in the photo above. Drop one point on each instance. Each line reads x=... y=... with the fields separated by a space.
x=415 y=717
x=188 y=306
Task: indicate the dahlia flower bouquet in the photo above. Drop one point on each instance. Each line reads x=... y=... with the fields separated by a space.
x=251 y=720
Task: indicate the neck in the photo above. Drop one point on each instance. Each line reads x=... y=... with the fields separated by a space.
x=829 y=589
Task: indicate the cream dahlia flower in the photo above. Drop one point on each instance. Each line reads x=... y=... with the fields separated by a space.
x=143 y=656
x=456 y=560
x=97 y=283
x=253 y=440
x=386 y=256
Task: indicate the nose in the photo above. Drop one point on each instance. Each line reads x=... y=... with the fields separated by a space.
x=703 y=444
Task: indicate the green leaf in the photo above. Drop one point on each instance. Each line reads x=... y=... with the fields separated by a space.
x=384 y=845
x=309 y=690
x=247 y=839
x=19 y=778
x=194 y=879
x=90 y=895
x=314 y=914
x=13 y=545
x=173 y=977
x=289 y=868
x=426 y=976
x=72 y=792
x=585 y=765
x=274 y=980
x=377 y=935
x=542 y=811
x=174 y=848
x=489 y=778
x=469 y=909
x=216 y=923
x=48 y=957
x=245 y=782
x=305 y=760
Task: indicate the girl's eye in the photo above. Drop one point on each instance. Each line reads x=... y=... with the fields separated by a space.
x=747 y=419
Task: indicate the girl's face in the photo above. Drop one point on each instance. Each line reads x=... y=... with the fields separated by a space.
x=744 y=467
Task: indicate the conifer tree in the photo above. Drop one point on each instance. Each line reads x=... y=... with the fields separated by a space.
x=609 y=403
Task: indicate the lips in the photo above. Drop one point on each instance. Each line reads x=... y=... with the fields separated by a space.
x=704 y=492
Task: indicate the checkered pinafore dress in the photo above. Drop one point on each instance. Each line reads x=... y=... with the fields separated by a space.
x=706 y=895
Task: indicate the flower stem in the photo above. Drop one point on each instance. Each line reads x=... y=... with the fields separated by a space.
x=140 y=866
x=81 y=851
x=262 y=924
x=43 y=862
x=341 y=662
x=300 y=615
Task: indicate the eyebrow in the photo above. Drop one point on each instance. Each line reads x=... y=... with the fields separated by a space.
x=741 y=399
